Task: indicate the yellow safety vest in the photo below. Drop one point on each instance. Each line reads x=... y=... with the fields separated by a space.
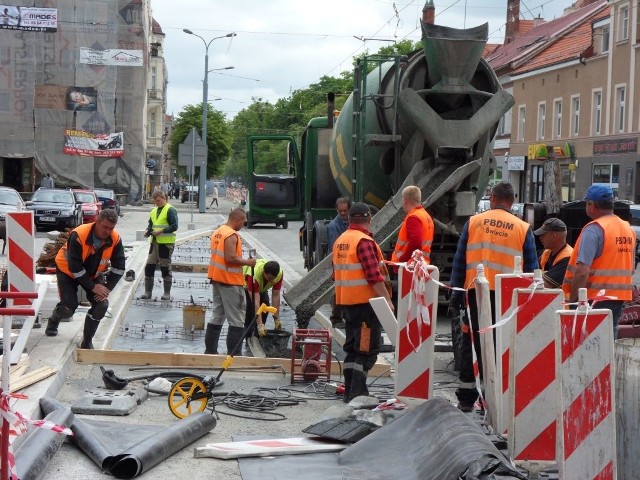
x=160 y=222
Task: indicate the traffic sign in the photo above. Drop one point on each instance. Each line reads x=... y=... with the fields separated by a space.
x=192 y=152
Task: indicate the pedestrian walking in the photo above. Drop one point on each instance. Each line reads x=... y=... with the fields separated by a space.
x=47 y=181
x=215 y=196
x=161 y=231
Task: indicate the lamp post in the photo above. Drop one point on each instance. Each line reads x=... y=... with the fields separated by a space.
x=202 y=194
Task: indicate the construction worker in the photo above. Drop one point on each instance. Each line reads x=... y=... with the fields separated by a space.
x=555 y=257
x=225 y=274
x=492 y=238
x=335 y=228
x=603 y=257
x=161 y=231
x=356 y=265
x=266 y=275
x=416 y=231
x=82 y=262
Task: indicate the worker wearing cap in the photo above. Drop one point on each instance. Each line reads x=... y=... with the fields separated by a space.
x=357 y=261
x=555 y=257
x=416 y=231
x=492 y=238
x=266 y=275
x=603 y=257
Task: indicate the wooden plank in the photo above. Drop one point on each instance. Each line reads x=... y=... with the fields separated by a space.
x=123 y=357
x=31 y=378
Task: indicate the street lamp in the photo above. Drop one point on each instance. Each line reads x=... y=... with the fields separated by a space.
x=205 y=110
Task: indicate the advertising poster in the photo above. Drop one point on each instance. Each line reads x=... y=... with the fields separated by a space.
x=33 y=19
x=118 y=57
x=80 y=142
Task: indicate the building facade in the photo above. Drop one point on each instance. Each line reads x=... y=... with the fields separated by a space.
x=573 y=81
x=72 y=101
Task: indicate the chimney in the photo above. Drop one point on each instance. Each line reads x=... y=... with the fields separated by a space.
x=513 y=20
x=429 y=12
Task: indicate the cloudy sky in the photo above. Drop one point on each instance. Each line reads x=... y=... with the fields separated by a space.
x=284 y=45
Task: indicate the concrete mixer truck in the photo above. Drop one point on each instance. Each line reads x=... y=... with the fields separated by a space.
x=426 y=119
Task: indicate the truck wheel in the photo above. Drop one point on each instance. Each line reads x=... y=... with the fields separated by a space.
x=318 y=252
x=249 y=222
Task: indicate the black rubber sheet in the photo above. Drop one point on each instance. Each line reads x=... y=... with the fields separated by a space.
x=434 y=441
x=126 y=450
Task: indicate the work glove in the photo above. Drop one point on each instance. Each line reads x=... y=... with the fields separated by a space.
x=277 y=323
x=262 y=330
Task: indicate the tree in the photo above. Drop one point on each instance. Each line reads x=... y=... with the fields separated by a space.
x=218 y=136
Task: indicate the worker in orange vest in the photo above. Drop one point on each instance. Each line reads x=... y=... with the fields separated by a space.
x=555 y=257
x=225 y=274
x=416 y=231
x=357 y=262
x=604 y=255
x=492 y=238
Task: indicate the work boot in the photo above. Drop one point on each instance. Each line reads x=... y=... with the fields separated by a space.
x=211 y=337
x=52 y=325
x=348 y=376
x=148 y=288
x=234 y=340
x=167 y=288
x=358 y=385
x=90 y=327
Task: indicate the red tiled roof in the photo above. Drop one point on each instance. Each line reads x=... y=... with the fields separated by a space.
x=512 y=55
x=568 y=47
x=489 y=48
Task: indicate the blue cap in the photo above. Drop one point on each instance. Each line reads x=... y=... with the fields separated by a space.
x=599 y=193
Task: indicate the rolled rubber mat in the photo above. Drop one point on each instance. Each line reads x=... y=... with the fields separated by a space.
x=126 y=450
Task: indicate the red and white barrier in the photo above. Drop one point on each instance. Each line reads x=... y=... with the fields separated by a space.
x=505 y=285
x=532 y=375
x=487 y=347
x=586 y=417
x=21 y=265
x=417 y=307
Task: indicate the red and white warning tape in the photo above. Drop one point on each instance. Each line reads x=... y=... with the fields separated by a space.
x=18 y=425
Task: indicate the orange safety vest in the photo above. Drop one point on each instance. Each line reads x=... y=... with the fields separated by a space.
x=613 y=269
x=566 y=251
x=427 y=234
x=219 y=271
x=351 y=284
x=495 y=238
x=83 y=232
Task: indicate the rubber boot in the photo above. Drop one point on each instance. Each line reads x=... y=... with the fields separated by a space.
x=211 y=337
x=358 y=384
x=52 y=325
x=234 y=340
x=348 y=377
x=167 y=288
x=148 y=288
x=90 y=327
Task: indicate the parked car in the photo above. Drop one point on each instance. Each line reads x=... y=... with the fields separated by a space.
x=10 y=201
x=483 y=205
x=55 y=208
x=518 y=210
x=108 y=199
x=189 y=194
x=91 y=205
